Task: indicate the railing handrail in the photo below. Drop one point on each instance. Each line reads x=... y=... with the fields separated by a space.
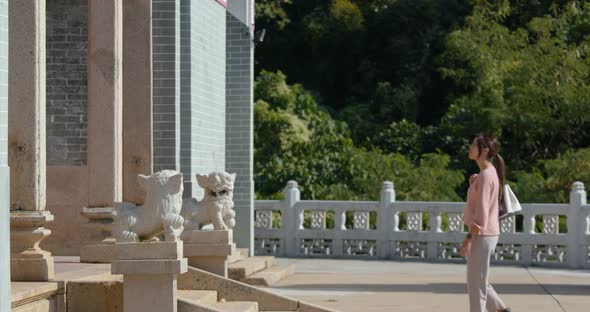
x=398 y=229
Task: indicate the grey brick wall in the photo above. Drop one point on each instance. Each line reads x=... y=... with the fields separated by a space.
x=166 y=83
x=239 y=126
x=67 y=86
x=185 y=96
x=202 y=90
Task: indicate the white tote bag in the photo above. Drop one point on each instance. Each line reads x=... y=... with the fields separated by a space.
x=510 y=201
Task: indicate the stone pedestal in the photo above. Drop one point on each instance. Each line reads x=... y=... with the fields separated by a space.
x=26 y=141
x=99 y=252
x=28 y=262
x=209 y=250
x=149 y=274
x=100 y=221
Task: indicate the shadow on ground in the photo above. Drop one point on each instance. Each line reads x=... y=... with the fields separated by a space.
x=448 y=288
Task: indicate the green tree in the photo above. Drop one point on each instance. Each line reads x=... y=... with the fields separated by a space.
x=422 y=77
x=530 y=84
x=296 y=140
x=348 y=50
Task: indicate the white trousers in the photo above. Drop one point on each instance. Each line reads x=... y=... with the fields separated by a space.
x=482 y=295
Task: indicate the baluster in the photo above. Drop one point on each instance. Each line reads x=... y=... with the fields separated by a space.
x=340 y=220
x=528 y=223
x=435 y=222
x=339 y=225
x=435 y=227
x=528 y=227
x=299 y=219
x=396 y=221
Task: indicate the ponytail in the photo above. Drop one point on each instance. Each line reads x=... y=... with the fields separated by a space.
x=500 y=170
x=490 y=142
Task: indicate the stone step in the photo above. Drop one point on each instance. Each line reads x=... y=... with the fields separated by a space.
x=101 y=293
x=270 y=276
x=239 y=254
x=198 y=296
x=232 y=290
x=240 y=269
x=206 y=301
x=232 y=306
x=186 y=306
x=237 y=306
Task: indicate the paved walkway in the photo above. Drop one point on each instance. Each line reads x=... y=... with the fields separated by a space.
x=366 y=286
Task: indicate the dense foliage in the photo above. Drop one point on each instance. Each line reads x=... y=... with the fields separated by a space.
x=296 y=140
x=395 y=89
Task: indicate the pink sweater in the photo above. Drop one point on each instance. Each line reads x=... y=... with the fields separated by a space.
x=482 y=203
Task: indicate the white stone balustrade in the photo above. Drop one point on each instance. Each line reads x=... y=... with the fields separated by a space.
x=432 y=231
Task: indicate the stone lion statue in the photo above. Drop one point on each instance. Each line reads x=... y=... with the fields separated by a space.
x=160 y=213
x=215 y=207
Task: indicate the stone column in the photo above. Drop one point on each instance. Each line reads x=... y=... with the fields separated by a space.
x=209 y=250
x=150 y=272
x=239 y=133
x=576 y=227
x=293 y=220
x=105 y=120
x=137 y=97
x=26 y=142
x=105 y=56
x=4 y=169
x=385 y=220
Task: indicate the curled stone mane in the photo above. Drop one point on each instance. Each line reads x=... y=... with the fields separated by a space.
x=161 y=203
x=220 y=180
x=163 y=174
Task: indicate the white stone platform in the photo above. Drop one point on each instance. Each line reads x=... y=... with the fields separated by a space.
x=355 y=285
x=371 y=286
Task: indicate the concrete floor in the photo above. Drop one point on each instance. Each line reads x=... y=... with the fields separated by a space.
x=366 y=286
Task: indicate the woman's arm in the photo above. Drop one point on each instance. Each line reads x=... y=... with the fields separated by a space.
x=473 y=230
x=481 y=211
x=466 y=246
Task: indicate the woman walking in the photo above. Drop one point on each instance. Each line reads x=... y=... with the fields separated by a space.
x=481 y=215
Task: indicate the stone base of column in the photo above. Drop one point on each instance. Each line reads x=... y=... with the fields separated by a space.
x=209 y=250
x=37 y=267
x=102 y=252
x=100 y=221
x=149 y=274
x=28 y=262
